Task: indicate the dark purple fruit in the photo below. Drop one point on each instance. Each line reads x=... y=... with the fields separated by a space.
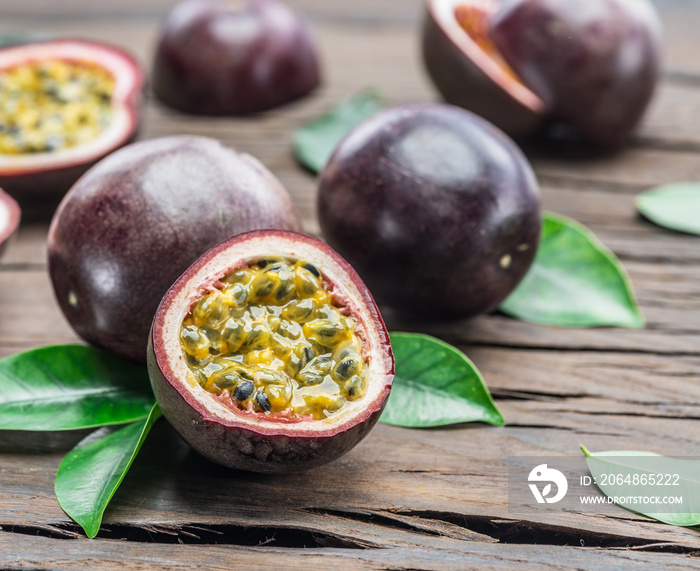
x=240 y=395
x=436 y=209
x=520 y=63
x=136 y=220
x=231 y=58
x=9 y=219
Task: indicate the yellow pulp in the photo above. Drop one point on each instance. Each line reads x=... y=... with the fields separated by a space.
x=272 y=340
x=53 y=104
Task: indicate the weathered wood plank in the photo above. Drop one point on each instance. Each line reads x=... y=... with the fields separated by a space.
x=450 y=476
x=49 y=553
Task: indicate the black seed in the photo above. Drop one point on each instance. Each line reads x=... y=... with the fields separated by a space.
x=313 y=269
x=243 y=391
x=264 y=287
x=309 y=379
x=308 y=354
x=284 y=290
x=262 y=401
x=263 y=263
x=346 y=368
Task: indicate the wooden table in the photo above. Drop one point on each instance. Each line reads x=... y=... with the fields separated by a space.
x=419 y=499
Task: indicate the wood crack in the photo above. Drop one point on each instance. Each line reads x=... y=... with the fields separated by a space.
x=515 y=531
x=202 y=533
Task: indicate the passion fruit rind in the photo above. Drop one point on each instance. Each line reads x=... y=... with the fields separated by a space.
x=262 y=441
x=9 y=219
x=45 y=161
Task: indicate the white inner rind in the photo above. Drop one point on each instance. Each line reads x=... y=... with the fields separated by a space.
x=444 y=13
x=121 y=125
x=4 y=218
x=9 y=216
x=378 y=363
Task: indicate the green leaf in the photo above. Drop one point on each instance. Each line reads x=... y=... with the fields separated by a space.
x=65 y=387
x=674 y=206
x=575 y=281
x=315 y=142
x=91 y=473
x=632 y=462
x=436 y=384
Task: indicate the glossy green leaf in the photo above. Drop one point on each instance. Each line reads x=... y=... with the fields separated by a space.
x=621 y=463
x=673 y=206
x=64 y=387
x=575 y=281
x=436 y=384
x=315 y=142
x=91 y=473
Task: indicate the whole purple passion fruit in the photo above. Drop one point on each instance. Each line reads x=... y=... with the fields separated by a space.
x=218 y=57
x=9 y=219
x=435 y=208
x=136 y=220
x=269 y=354
x=522 y=63
x=64 y=105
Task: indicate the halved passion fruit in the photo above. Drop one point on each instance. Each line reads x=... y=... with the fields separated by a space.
x=269 y=354
x=524 y=63
x=63 y=105
x=9 y=219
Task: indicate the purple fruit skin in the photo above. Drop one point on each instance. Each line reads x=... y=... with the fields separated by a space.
x=135 y=221
x=214 y=61
x=436 y=209
x=244 y=449
x=595 y=64
x=463 y=83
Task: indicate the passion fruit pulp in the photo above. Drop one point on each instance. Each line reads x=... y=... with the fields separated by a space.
x=233 y=58
x=436 y=209
x=9 y=219
x=523 y=64
x=269 y=354
x=64 y=105
x=135 y=221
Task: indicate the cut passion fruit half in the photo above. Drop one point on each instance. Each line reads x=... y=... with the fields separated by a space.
x=63 y=105
x=269 y=354
x=524 y=63
x=9 y=219
x=469 y=71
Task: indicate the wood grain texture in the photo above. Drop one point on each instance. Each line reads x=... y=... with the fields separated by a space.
x=433 y=499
